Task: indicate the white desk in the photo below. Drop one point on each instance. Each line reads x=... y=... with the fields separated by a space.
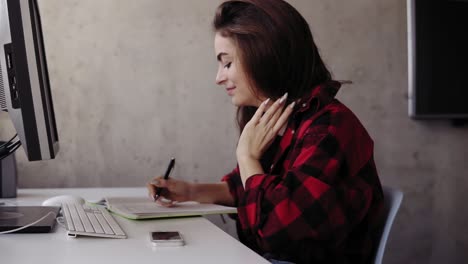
x=205 y=242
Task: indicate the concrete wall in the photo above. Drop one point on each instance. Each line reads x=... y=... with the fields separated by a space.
x=133 y=85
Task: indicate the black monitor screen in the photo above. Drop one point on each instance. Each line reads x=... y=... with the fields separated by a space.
x=438 y=56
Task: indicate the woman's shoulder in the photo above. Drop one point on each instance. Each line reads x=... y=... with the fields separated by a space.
x=340 y=113
x=333 y=113
x=337 y=119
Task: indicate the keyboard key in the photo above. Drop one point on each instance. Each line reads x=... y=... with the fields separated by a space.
x=113 y=224
x=68 y=219
x=105 y=225
x=75 y=218
x=84 y=218
x=97 y=227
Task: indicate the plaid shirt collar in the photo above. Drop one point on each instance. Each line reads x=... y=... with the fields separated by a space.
x=320 y=96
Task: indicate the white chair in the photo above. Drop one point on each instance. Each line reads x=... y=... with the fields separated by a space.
x=392 y=201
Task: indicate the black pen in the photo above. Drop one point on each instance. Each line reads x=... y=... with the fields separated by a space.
x=166 y=176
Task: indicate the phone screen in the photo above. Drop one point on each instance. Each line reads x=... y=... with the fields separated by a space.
x=169 y=236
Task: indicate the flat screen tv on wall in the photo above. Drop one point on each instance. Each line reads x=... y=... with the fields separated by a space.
x=438 y=59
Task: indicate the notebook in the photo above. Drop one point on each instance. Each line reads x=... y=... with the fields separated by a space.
x=13 y=217
x=143 y=208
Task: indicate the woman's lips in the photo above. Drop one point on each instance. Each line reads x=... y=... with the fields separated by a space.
x=230 y=90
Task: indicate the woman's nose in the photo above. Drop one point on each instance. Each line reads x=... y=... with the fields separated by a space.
x=220 y=77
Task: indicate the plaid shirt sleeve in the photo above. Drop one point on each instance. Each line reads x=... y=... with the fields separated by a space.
x=321 y=197
x=234 y=182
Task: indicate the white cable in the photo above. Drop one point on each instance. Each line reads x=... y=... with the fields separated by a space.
x=28 y=225
x=60 y=221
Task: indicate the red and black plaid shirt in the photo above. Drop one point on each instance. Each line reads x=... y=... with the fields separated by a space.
x=320 y=196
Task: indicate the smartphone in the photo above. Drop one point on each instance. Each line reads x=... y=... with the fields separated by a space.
x=167 y=238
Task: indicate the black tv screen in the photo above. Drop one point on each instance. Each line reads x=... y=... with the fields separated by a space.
x=438 y=58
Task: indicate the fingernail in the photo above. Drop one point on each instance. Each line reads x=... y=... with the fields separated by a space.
x=283 y=98
x=266 y=101
x=292 y=105
x=155 y=182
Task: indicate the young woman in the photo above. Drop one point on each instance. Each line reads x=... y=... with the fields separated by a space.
x=306 y=186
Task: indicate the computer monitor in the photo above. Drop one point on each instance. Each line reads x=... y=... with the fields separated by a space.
x=437 y=56
x=24 y=81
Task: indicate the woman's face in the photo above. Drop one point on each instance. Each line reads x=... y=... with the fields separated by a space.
x=231 y=74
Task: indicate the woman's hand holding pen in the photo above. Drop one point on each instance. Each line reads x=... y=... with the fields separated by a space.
x=259 y=133
x=171 y=189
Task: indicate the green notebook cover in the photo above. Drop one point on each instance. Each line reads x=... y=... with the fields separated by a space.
x=143 y=208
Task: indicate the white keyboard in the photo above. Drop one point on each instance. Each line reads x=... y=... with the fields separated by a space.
x=85 y=220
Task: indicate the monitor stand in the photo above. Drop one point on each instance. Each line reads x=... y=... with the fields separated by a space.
x=8 y=176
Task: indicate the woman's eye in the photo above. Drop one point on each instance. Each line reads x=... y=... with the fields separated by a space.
x=227 y=65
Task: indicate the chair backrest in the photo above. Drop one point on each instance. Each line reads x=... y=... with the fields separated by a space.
x=392 y=202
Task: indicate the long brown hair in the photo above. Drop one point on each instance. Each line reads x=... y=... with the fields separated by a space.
x=276 y=49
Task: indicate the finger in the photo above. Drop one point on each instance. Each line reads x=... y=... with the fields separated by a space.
x=273 y=109
x=165 y=202
x=151 y=190
x=271 y=123
x=261 y=109
x=155 y=180
x=283 y=119
x=160 y=183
